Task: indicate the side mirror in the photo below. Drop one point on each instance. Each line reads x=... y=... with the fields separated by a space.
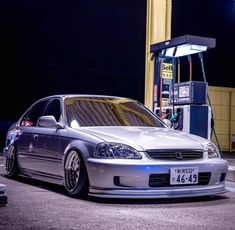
x=167 y=122
x=48 y=122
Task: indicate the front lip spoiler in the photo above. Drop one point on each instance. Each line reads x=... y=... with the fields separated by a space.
x=158 y=193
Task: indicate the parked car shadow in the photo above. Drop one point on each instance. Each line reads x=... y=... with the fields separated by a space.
x=40 y=184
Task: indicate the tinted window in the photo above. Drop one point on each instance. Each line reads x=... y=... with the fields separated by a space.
x=108 y=112
x=30 y=118
x=53 y=109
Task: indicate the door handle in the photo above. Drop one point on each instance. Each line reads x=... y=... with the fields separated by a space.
x=35 y=137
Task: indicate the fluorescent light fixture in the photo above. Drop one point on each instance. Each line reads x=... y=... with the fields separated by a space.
x=182 y=46
x=184 y=50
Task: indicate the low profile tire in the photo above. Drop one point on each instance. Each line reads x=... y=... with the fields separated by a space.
x=76 y=179
x=12 y=167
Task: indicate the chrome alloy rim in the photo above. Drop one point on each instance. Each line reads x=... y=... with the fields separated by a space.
x=72 y=170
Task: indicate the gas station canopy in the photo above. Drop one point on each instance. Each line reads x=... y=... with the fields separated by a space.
x=183 y=45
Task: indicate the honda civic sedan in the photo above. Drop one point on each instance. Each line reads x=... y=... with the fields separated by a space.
x=111 y=147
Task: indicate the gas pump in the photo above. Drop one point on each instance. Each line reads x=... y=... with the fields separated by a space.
x=185 y=104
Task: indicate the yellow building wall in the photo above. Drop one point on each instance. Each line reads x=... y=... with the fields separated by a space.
x=223 y=108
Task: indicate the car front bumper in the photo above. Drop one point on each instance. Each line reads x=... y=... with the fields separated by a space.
x=134 y=176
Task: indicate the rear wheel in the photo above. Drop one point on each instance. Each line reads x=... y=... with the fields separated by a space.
x=12 y=167
x=76 y=179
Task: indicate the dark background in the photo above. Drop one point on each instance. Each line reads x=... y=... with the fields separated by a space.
x=97 y=47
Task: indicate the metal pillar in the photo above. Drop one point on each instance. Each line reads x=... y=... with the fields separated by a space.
x=158 y=28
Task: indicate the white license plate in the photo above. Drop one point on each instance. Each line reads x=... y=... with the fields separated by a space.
x=187 y=175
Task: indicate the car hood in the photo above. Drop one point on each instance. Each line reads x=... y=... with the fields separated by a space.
x=142 y=138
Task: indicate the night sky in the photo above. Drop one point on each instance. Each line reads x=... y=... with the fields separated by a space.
x=210 y=18
x=98 y=47
x=53 y=47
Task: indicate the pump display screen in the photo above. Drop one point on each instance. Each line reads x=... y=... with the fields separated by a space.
x=191 y=92
x=184 y=91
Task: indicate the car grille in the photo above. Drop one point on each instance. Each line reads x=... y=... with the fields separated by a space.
x=163 y=180
x=178 y=154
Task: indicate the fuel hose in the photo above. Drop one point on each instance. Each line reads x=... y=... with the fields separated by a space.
x=209 y=101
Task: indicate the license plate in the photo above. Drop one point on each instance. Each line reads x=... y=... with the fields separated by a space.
x=185 y=175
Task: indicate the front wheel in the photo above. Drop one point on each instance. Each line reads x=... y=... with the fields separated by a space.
x=12 y=167
x=76 y=179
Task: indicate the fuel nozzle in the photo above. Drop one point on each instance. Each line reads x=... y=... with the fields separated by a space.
x=177 y=119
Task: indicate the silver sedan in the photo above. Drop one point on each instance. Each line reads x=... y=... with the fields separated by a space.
x=109 y=146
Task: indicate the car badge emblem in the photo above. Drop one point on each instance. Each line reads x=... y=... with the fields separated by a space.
x=178 y=156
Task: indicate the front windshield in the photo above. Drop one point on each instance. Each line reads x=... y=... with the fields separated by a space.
x=104 y=111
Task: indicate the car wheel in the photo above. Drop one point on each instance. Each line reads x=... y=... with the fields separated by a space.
x=12 y=167
x=76 y=179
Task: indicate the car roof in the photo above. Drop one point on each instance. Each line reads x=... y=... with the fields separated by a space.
x=63 y=96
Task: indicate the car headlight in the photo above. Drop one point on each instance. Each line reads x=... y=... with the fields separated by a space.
x=213 y=151
x=117 y=151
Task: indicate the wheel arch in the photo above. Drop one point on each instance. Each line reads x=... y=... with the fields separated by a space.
x=84 y=149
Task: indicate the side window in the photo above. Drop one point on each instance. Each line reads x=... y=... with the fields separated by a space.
x=31 y=117
x=53 y=109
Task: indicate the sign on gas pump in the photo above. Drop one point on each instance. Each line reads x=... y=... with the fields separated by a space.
x=167 y=75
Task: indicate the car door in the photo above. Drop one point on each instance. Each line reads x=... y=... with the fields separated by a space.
x=46 y=143
x=27 y=125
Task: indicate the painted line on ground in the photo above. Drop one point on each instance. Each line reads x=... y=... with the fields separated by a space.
x=231 y=189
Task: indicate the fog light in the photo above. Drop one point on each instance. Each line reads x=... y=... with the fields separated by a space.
x=116 y=180
x=222 y=177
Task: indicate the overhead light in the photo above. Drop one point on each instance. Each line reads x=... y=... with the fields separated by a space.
x=182 y=46
x=183 y=50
